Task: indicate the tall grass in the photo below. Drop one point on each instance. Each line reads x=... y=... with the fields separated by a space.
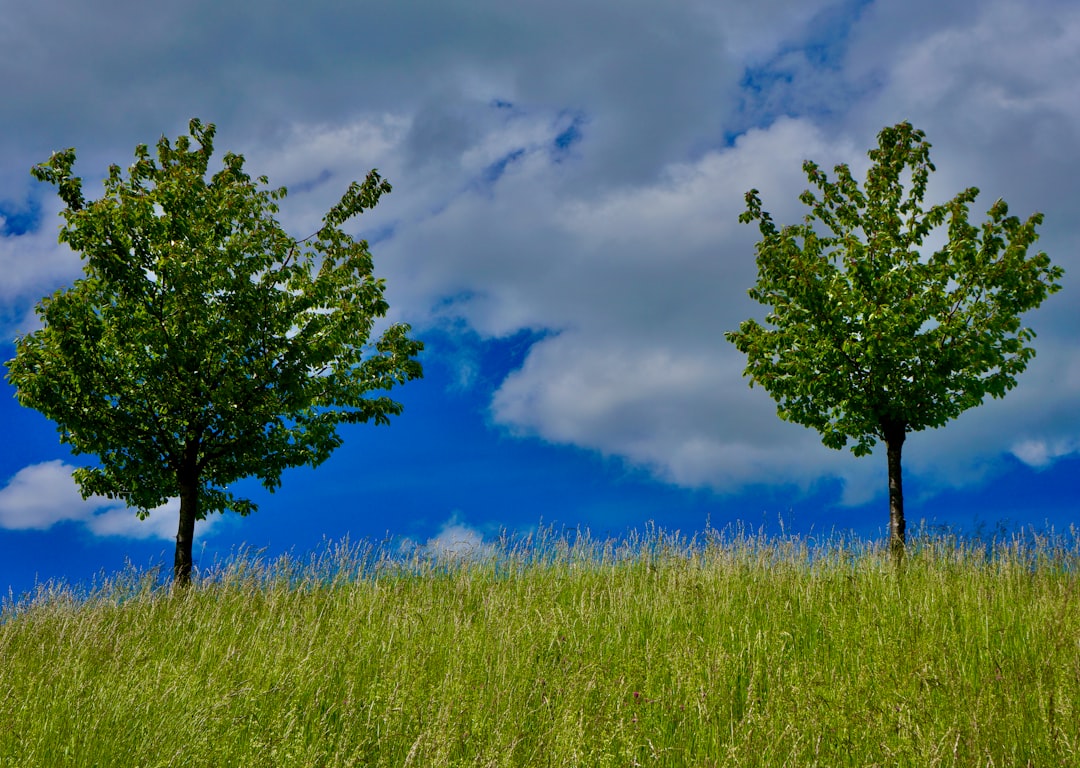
x=560 y=651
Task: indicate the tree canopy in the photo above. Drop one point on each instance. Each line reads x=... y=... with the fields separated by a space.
x=868 y=335
x=203 y=343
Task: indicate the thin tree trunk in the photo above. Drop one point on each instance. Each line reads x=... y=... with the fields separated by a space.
x=185 y=534
x=894 y=443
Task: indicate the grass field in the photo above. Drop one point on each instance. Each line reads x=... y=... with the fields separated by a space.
x=731 y=651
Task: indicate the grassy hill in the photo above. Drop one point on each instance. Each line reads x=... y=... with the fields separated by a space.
x=733 y=651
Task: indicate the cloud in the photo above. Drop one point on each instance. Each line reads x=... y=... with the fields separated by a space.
x=994 y=83
x=1041 y=453
x=640 y=281
x=455 y=540
x=633 y=281
x=33 y=263
x=642 y=71
x=638 y=286
x=576 y=173
x=42 y=495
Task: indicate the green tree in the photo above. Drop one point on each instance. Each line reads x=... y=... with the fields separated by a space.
x=871 y=337
x=203 y=343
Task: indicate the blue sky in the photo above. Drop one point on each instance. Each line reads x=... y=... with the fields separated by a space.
x=563 y=234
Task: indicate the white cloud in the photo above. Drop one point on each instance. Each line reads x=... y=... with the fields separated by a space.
x=42 y=495
x=995 y=86
x=638 y=282
x=643 y=281
x=455 y=540
x=1041 y=453
x=627 y=248
x=161 y=524
x=34 y=263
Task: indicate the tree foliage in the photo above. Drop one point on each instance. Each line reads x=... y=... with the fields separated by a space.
x=204 y=344
x=869 y=336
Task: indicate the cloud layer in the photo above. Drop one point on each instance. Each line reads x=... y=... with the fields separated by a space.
x=578 y=173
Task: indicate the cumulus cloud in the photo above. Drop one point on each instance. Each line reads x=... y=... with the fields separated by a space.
x=638 y=287
x=640 y=370
x=1040 y=453
x=455 y=540
x=579 y=173
x=43 y=495
x=33 y=263
x=993 y=87
x=667 y=393
x=641 y=72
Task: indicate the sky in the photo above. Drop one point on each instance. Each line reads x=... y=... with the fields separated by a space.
x=563 y=235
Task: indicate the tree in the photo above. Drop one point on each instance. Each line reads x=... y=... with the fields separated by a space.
x=871 y=337
x=204 y=344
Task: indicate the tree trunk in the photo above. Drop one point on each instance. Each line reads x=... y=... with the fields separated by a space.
x=185 y=534
x=894 y=434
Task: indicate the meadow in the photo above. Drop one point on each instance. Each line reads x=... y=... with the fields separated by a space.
x=559 y=650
